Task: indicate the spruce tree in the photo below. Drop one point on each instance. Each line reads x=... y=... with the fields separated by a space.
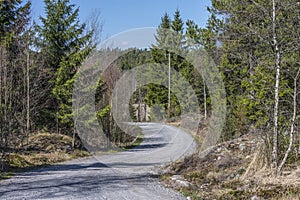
x=171 y=41
x=65 y=44
x=177 y=39
x=162 y=37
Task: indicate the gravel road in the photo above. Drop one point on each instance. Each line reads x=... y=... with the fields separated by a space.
x=130 y=175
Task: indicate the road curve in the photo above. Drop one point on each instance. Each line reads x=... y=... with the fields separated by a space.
x=130 y=175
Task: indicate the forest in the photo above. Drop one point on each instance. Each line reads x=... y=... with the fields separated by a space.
x=255 y=45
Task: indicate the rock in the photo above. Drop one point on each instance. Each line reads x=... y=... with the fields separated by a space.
x=286 y=173
x=183 y=183
x=255 y=198
x=176 y=177
x=242 y=147
x=219 y=149
x=180 y=181
x=224 y=161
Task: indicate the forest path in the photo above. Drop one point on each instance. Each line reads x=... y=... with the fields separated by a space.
x=124 y=175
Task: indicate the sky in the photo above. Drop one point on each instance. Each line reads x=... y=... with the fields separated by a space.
x=119 y=16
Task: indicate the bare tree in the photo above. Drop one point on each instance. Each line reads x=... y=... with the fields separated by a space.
x=292 y=129
x=276 y=90
x=95 y=24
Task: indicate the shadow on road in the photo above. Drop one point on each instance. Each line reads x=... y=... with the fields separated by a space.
x=50 y=184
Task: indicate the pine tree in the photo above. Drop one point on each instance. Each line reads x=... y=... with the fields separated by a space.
x=65 y=45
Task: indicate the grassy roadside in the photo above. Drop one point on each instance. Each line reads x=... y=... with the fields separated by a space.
x=139 y=139
x=197 y=135
x=233 y=169
x=26 y=161
x=44 y=149
x=47 y=149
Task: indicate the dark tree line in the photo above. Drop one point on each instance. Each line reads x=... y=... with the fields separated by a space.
x=14 y=67
x=38 y=64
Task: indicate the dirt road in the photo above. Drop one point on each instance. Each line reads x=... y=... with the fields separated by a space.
x=130 y=175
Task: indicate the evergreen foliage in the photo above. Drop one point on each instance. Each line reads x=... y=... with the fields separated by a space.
x=65 y=44
x=255 y=45
x=252 y=40
x=172 y=39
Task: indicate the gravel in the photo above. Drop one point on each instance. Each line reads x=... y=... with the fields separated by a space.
x=131 y=175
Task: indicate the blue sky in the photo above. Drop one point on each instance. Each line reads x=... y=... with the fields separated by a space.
x=121 y=15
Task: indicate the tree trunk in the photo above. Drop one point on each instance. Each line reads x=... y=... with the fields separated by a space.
x=1 y=117
x=5 y=96
x=292 y=125
x=139 y=107
x=145 y=111
x=277 y=82
x=251 y=64
x=169 y=86
x=28 y=97
x=204 y=98
x=73 y=138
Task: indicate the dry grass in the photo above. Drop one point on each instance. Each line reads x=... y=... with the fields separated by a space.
x=234 y=170
x=43 y=149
